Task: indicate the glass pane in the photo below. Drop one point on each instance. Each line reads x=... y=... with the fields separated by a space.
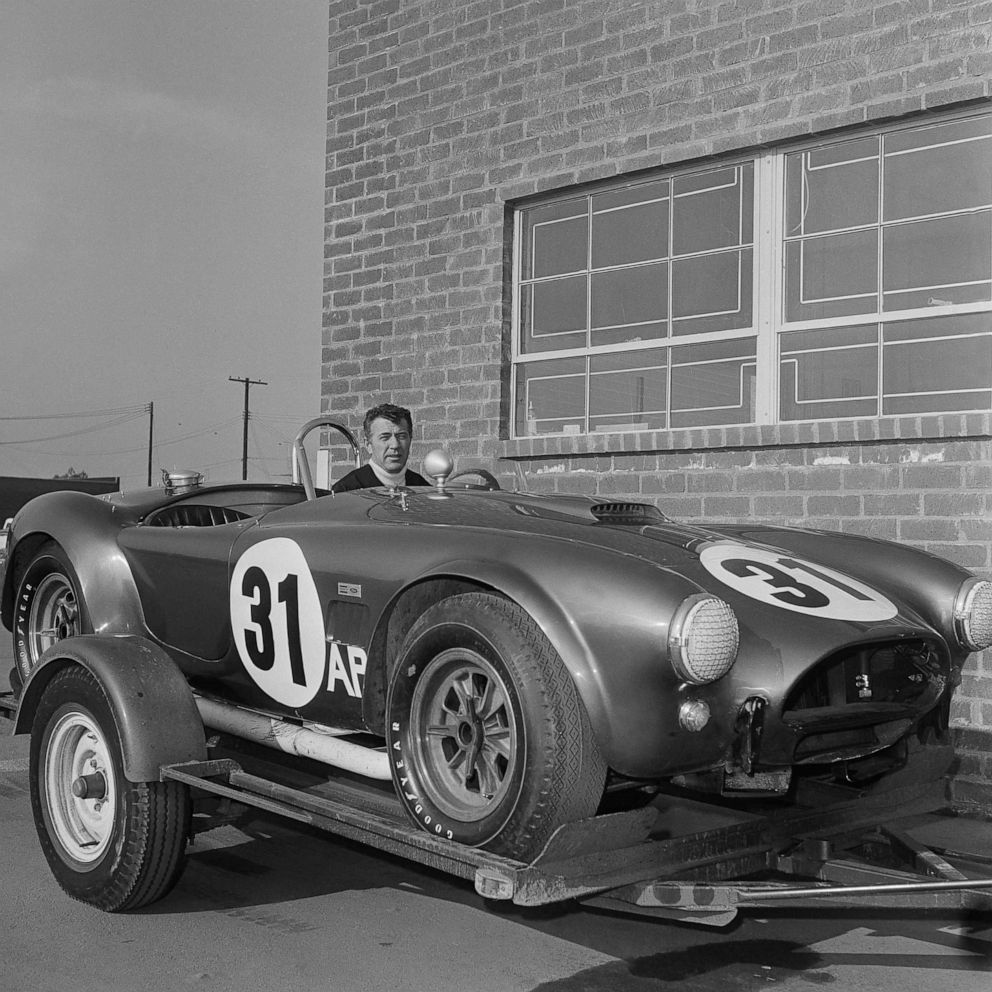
x=712 y=210
x=938 y=262
x=831 y=276
x=713 y=383
x=630 y=304
x=551 y=397
x=554 y=239
x=829 y=373
x=553 y=314
x=833 y=188
x=938 y=179
x=627 y=392
x=941 y=364
x=632 y=227
x=712 y=292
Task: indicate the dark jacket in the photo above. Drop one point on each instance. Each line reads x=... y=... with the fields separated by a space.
x=365 y=478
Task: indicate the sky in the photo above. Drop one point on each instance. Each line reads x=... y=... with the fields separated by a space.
x=161 y=230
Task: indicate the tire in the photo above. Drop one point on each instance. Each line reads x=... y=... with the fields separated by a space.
x=114 y=844
x=48 y=608
x=488 y=739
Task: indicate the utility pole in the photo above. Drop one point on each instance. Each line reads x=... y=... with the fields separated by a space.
x=244 y=446
x=151 y=438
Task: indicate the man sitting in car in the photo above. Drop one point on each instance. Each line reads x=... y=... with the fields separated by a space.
x=388 y=434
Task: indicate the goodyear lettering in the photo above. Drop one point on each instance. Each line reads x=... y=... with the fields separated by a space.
x=415 y=804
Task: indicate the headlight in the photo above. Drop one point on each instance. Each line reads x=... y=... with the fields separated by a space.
x=703 y=639
x=973 y=614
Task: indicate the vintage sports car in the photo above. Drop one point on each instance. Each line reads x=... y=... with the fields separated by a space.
x=511 y=655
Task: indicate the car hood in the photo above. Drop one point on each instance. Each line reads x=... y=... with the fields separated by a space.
x=824 y=583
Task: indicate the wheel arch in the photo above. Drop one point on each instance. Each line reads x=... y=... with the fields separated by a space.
x=86 y=529
x=472 y=576
x=153 y=706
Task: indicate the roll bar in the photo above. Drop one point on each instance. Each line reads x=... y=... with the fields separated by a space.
x=300 y=456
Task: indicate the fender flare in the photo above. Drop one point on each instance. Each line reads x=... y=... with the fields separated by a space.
x=152 y=703
x=86 y=528
x=566 y=638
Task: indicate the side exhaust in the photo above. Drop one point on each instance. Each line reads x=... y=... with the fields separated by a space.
x=288 y=737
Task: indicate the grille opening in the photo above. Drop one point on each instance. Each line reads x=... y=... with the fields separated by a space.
x=901 y=672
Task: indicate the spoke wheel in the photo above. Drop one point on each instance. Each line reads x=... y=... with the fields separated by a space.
x=468 y=732
x=54 y=613
x=488 y=739
x=48 y=607
x=109 y=842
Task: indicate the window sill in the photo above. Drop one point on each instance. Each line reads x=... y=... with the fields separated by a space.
x=933 y=427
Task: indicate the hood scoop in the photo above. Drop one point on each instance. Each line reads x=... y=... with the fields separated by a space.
x=629 y=514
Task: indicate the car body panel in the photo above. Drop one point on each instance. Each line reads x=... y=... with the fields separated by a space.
x=297 y=607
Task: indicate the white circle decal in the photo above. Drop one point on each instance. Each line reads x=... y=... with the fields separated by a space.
x=277 y=623
x=778 y=579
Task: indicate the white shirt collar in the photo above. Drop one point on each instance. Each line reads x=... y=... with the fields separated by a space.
x=389 y=478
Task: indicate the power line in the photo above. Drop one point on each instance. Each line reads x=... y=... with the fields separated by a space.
x=127 y=418
x=111 y=411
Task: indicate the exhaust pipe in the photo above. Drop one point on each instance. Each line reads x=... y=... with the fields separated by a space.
x=293 y=739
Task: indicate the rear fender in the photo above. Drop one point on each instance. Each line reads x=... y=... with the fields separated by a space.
x=86 y=528
x=153 y=706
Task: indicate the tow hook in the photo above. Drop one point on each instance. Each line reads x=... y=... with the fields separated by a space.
x=750 y=726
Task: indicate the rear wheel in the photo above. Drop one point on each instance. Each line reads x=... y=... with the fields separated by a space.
x=111 y=843
x=48 y=608
x=490 y=744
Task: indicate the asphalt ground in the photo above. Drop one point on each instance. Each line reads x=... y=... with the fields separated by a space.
x=269 y=906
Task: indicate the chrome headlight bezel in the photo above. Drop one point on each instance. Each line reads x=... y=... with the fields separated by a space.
x=703 y=639
x=973 y=614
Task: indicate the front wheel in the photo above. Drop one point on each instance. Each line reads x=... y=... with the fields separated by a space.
x=111 y=843
x=489 y=742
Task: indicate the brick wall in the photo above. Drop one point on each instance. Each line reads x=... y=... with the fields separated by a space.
x=442 y=112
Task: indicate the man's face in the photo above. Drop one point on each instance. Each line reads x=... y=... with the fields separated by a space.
x=388 y=444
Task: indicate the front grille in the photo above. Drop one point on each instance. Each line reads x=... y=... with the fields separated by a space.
x=902 y=672
x=861 y=700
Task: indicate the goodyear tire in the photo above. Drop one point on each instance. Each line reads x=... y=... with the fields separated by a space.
x=111 y=843
x=489 y=742
x=48 y=608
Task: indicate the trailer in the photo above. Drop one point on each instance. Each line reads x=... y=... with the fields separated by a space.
x=670 y=856
x=674 y=857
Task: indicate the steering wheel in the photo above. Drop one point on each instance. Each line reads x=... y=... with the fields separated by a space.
x=487 y=477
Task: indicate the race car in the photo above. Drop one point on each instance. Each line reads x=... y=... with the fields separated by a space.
x=504 y=658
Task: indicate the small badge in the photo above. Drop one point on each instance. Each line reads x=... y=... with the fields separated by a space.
x=350 y=589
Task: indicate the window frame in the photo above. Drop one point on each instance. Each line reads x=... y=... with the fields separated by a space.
x=769 y=306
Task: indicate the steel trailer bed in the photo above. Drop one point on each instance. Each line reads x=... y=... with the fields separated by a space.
x=677 y=857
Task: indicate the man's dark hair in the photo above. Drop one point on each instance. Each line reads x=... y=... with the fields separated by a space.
x=388 y=411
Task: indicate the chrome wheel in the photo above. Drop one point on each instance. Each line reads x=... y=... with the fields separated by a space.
x=81 y=791
x=466 y=731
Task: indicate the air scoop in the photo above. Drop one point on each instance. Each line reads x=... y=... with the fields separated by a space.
x=631 y=514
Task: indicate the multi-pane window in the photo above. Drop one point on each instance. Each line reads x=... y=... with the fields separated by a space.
x=638 y=307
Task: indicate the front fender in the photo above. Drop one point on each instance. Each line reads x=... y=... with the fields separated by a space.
x=86 y=528
x=613 y=641
x=153 y=706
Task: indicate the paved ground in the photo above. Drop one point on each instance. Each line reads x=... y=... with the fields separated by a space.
x=273 y=907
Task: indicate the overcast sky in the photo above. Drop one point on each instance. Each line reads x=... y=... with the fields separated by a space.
x=161 y=212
